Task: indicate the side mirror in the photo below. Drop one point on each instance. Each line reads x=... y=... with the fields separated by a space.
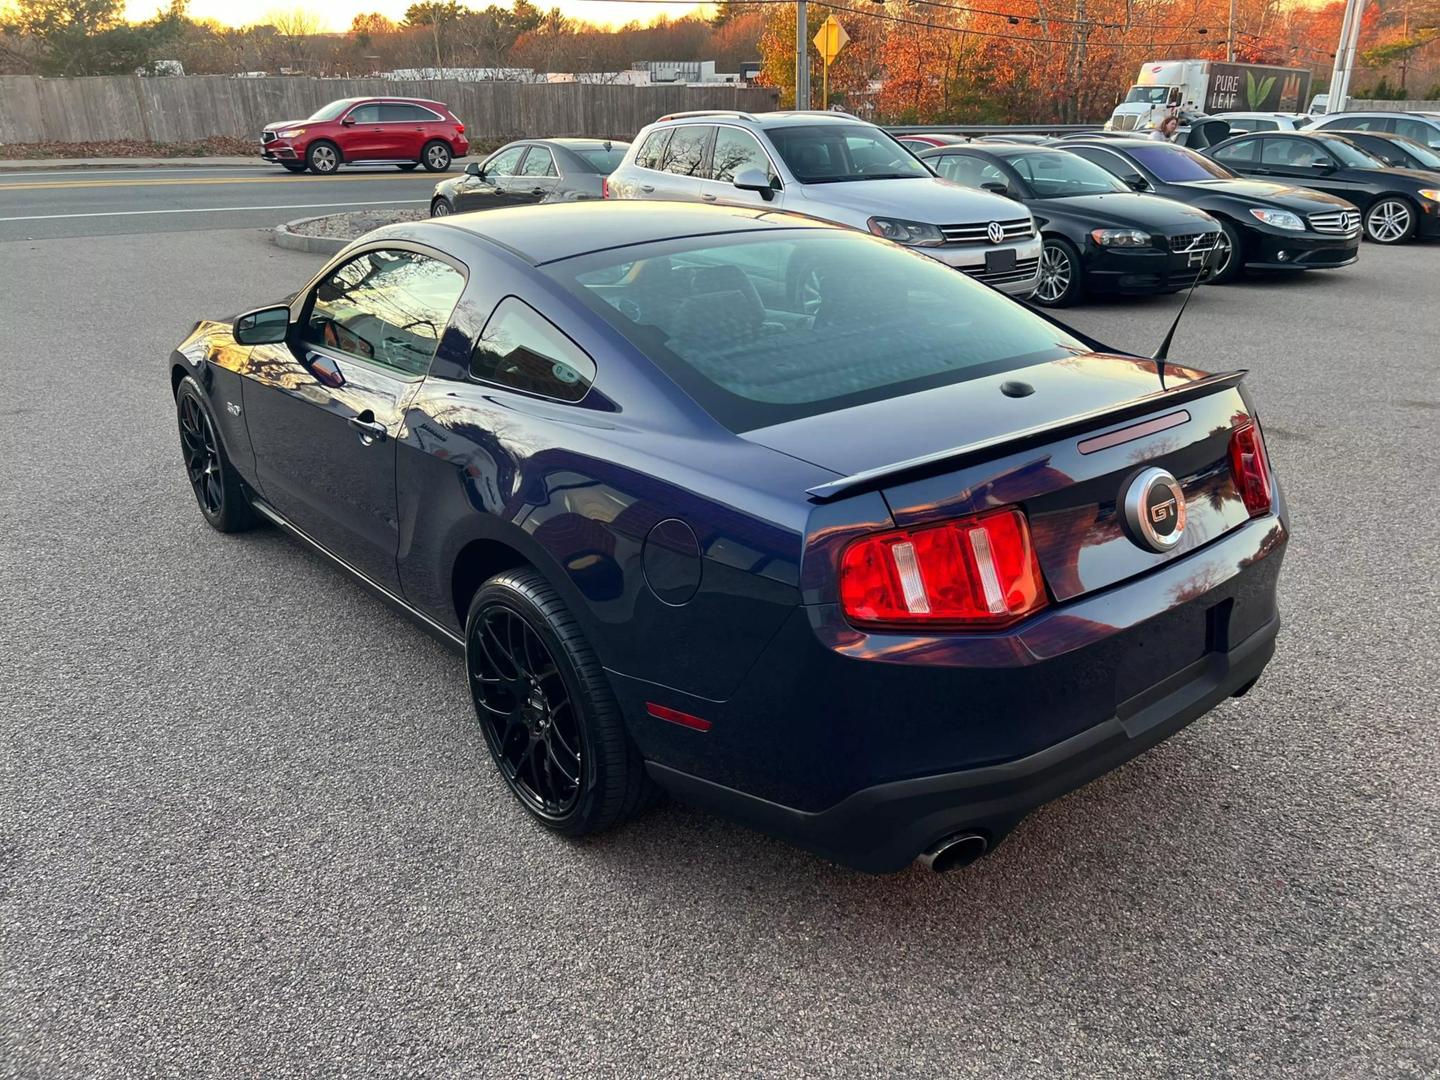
x=473 y=169
x=753 y=179
x=997 y=187
x=1322 y=166
x=1137 y=183
x=264 y=326
x=349 y=121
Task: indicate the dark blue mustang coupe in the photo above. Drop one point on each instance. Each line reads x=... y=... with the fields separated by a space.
x=878 y=570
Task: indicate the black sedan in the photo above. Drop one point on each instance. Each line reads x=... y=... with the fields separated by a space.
x=691 y=535
x=1099 y=236
x=531 y=171
x=1266 y=226
x=1396 y=150
x=1397 y=204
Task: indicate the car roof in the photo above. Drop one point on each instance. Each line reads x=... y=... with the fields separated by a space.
x=547 y=234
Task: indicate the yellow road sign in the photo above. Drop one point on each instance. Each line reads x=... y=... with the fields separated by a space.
x=830 y=39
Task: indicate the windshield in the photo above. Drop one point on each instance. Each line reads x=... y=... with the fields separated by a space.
x=832 y=153
x=1177 y=165
x=1351 y=155
x=333 y=110
x=1055 y=175
x=604 y=161
x=1150 y=95
x=727 y=318
x=1427 y=158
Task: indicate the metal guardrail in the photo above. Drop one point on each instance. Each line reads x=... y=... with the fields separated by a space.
x=991 y=129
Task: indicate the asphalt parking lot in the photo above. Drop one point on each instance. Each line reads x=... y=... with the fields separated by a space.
x=248 y=825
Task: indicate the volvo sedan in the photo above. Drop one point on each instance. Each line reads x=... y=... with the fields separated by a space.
x=692 y=537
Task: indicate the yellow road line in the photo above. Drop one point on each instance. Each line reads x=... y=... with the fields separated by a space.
x=65 y=186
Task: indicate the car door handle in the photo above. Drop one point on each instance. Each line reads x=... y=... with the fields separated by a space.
x=708 y=197
x=370 y=429
x=647 y=187
x=537 y=191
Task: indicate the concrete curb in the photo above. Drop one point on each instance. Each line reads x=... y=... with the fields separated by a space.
x=285 y=236
x=57 y=164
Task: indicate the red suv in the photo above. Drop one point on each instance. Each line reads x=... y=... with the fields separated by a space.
x=355 y=131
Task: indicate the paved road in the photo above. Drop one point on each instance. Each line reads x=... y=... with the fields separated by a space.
x=248 y=824
x=109 y=202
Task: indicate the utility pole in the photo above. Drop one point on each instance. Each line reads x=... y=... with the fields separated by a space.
x=1230 y=35
x=1345 y=55
x=802 y=58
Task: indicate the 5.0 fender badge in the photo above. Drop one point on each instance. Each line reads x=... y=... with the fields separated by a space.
x=1153 y=504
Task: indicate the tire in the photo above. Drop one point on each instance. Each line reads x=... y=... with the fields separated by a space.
x=409 y=166
x=218 y=489
x=1391 y=220
x=531 y=707
x=1231 y=262
x=435 y=156
x=1062 y=278
x=294 y=166
x=323 y=158
x=441 y=208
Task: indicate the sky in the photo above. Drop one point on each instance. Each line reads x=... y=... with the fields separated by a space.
x=338 y=13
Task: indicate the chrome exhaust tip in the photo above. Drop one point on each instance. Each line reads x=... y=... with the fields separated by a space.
x=956 y=851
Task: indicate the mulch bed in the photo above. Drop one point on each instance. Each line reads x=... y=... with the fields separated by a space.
x=215 y=146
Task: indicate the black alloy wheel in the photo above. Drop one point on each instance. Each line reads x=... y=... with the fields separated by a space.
x=1226 y=260
x=435 y=157
x=219 y=491
x=1061 y=278
x=552 y=725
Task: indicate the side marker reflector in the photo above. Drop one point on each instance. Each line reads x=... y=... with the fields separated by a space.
x=675 y=716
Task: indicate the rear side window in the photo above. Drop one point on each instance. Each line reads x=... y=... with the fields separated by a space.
x=396 y=114
x=522 y=350
x=761 y=329
x=652 y=149
x=1355 y=123
x=388 y=307
x=1424 y=134
x=538 y=162
x=1244 y=152
x=685 y=154
x=1254 y=125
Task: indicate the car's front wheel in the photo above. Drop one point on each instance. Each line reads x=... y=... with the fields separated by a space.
x=1225 y=260
x=323 y=158
x=219 y=491
x=435 y=157
x=1390 y=221
x=546 y=709
x=1061 y=282
x=441 y=207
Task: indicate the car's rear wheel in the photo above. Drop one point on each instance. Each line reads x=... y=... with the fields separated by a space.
x=409 y=166
x=1060 y=283
x=546 y=709
x=435 y=157
x=293 y=166
x=441 y=208
x=219 y=491
x=1226 y=258
x=1390 y=221
x=323 y=158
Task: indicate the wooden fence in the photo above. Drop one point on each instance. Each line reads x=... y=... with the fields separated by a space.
x=190 y=107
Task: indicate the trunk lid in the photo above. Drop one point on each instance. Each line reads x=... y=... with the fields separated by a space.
x=1063 y=453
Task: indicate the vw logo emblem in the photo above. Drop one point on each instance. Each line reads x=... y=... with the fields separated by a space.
x=1154 y=509
x=995 y=231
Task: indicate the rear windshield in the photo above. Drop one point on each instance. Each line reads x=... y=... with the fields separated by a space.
x=761 y=328
x=834 y=153
x=1176 y=165
x=603 y=161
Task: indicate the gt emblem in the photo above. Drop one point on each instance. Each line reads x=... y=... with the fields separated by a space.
x=1154 y=509
x=234 y=409
x=995 y=231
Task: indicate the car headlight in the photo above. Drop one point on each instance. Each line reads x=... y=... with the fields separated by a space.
x=1120 y=237
x=1433 y=194
x=292 y=133
x=1280 y=219
x=912 y=233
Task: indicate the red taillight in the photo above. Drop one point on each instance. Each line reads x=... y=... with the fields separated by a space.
x=977 y=573
x=1250 y=468
x=459 y=128
x=605 y=187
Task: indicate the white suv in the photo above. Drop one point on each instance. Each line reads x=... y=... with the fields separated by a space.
x=838 y=168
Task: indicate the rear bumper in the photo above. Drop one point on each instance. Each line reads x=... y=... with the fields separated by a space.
x=881 y=829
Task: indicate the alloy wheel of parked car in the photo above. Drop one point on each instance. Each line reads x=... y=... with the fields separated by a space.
x=441 y=208
x=323 y=158
x=218 y=489
x=1225 y=258
x=436 y=156
x=1390 y=221
x=1059 y=283
x=549 y=718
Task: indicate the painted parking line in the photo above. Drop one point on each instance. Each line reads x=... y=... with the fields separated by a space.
x=212 y=210
x=202 y=180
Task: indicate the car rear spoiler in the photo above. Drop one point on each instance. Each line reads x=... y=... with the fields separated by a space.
x=928 y=464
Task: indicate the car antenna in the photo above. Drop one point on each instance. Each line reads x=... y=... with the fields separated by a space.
x=1163 y=352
